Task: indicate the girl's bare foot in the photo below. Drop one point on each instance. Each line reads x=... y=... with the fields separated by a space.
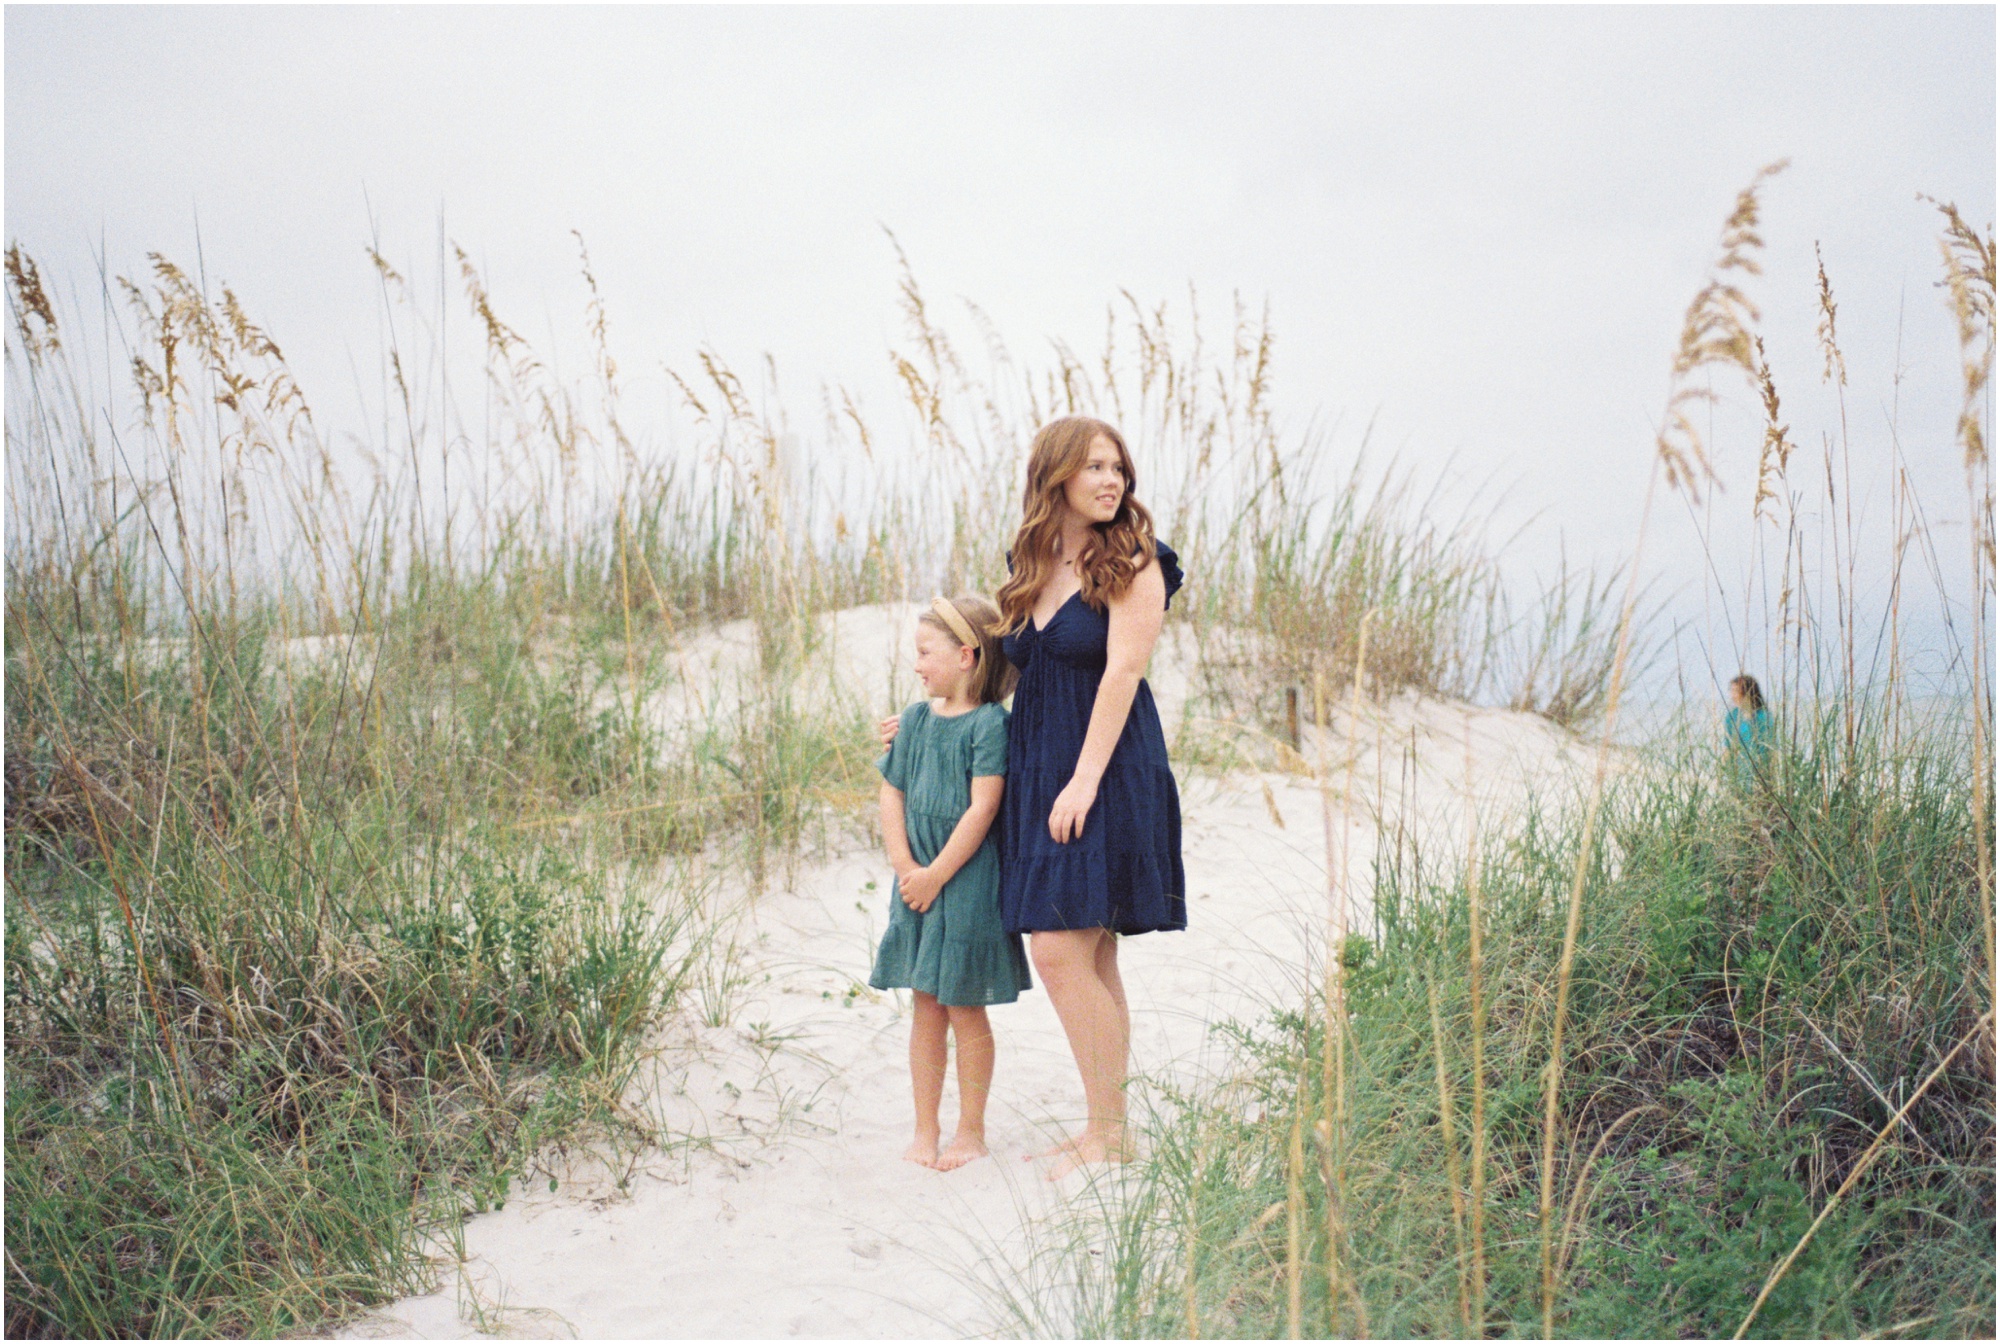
x=964 y=1148
x=922 y=1150
x=1085 y=1149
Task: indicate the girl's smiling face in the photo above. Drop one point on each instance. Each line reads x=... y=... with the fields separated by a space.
x=1098 y=488
x=942 y=662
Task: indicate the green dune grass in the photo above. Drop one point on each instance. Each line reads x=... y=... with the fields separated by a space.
x=349 y=868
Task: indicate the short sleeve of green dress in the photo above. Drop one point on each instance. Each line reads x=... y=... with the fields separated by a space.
x=956 y=951
x=989 y=741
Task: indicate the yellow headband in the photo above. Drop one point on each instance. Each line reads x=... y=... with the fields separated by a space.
x=960 y=628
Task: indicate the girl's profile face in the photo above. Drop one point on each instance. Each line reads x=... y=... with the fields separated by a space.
x=1096 y=491
x=941 y=661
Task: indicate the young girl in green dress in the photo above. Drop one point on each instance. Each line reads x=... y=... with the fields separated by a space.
x=941 y=785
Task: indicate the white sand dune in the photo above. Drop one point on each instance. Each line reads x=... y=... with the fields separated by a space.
x=783 y=1209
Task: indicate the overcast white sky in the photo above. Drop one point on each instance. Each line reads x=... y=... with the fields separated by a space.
x=1482 y=225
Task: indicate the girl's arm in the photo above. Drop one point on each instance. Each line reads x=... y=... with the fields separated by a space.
x=1136 y=619
x=925 y=883
x=894 y=837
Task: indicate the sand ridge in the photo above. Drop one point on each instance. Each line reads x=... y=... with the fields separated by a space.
x=780 y=1209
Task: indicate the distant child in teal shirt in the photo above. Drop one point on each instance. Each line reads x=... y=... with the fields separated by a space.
x=1747 y=733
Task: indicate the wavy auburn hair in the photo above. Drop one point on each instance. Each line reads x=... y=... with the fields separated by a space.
x=1115 y=552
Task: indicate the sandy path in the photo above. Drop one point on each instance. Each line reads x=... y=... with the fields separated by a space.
x=787 y=1212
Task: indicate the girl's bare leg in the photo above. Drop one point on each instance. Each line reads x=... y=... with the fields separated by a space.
x=927 y=1054
x=973 y=1036
x=1094 y=1020
x=1107 y=971
x=1104 y=962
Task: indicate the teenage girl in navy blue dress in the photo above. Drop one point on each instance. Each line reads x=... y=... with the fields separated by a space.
x=1090 y=824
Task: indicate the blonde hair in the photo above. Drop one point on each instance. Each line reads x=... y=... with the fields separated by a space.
x=993 y=676
x=1116 y=551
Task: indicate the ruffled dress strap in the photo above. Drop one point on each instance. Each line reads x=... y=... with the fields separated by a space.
x=1170 y=568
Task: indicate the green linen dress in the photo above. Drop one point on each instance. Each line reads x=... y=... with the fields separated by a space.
x=956 y=951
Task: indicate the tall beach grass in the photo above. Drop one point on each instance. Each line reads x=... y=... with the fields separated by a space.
x=352 y=854
x=352 y=851
x=1706 y=1051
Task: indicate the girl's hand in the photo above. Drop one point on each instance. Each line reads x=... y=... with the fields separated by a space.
x=1072 y=805
x=919 y=888
x=887 y=728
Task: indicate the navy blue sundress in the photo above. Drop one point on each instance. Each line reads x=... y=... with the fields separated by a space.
x=1124 y=872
